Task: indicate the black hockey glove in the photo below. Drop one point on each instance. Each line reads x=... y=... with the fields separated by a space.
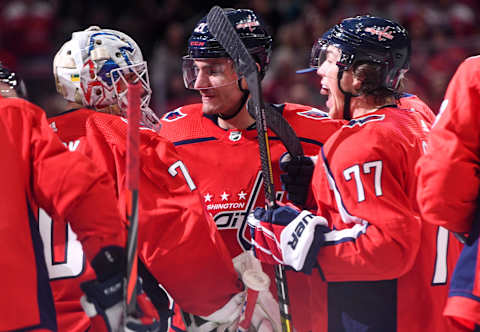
x=104 y=302
x=297 y=177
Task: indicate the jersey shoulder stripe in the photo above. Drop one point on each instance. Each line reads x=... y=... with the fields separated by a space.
x=311 y=125
x=194 y=140
x=186 y=123
x=291 y=110
x=365 y=119
x=386 y=126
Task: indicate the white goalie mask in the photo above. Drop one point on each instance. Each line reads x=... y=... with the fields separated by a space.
x=95 y=67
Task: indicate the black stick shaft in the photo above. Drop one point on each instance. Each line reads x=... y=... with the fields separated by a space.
x=220 y=26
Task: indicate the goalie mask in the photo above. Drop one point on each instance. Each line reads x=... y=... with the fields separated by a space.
x=202 y=45
x=95 y=67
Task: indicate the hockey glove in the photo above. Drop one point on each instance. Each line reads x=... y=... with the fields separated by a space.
x=296 y=180
x=104 y=302
x=287 y=236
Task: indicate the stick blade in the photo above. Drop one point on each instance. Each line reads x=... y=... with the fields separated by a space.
x=222 y=29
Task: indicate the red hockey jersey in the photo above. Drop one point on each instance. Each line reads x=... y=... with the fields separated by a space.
x=178 y=241
x=413 y=103
x=453 y=158
x=226 y=166
x=384 y=268
x=36 y=170
x=67 y=267
x=449 y=182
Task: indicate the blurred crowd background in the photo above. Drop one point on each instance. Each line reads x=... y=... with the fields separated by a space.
x=443 y=33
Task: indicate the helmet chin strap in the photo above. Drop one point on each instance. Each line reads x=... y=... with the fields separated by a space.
x=348 y=96
x=245 y=95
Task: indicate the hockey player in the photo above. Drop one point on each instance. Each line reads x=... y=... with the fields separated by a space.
x=384 y=269
x=60 y=249
x=217 y=140
x=179 y=245
x=403 y=99
x=448 y=185
x=37 y=171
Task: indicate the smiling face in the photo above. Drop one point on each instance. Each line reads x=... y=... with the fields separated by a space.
x=216 y=81
x=328 y=72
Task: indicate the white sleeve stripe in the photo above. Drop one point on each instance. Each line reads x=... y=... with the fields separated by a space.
x=268 y=252
x=268 y=233
x=344 y=235
x=347 y=218
x=351 y=234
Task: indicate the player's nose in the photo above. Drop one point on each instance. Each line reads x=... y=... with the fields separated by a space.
x=321 y=70
x=202 y=81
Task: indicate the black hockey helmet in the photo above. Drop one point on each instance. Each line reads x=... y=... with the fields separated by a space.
x=371 y=39
x=317 y=47
x=251 y=30
x=13 y=81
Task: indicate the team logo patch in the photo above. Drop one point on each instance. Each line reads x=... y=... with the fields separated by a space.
x=314 y=113
x=235 y=136
x=249 y=24
x=382 y=33
x=230 y=209
x=173 y=115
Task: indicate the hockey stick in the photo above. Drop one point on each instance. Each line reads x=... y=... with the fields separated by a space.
x=277 y=123
x=255 y=281
x=133 y=174
x=224 y=32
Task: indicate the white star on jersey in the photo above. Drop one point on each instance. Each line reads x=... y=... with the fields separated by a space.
x=208 y=197
x=225 y=196
x=242 y=195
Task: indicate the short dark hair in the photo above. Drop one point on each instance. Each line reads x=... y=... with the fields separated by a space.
x=372 y=76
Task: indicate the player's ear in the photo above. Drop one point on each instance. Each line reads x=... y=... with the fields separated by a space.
x=356 y=83
x=243 y=84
